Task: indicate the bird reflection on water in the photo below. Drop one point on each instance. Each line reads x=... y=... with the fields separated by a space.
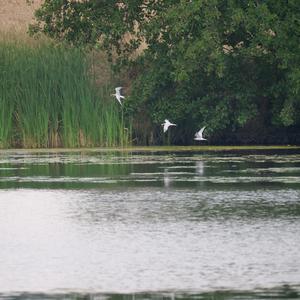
x=167 y=178
x=200 y=167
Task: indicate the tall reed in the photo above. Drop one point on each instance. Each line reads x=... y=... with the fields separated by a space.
x=49 y=99
x=6 y=102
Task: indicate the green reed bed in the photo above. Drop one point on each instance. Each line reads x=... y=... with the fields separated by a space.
x=48 y=99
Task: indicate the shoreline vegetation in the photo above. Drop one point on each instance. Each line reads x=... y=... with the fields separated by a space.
x=155 y=149
x=230 y=67
x=49 y=98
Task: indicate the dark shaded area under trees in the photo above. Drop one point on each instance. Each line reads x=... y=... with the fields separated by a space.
x=232 y=65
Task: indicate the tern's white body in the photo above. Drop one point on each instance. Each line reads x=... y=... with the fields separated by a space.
x=167 y=124
x=118 y=94
x=199 y=135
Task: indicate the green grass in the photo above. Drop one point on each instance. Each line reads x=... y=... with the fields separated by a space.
x=48 y=99
x=155 y=149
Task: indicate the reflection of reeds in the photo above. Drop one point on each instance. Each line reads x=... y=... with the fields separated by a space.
x=48 y=99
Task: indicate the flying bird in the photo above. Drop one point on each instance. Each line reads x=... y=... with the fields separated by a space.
x=199 y=135
x=167 y=124
x=118 y=94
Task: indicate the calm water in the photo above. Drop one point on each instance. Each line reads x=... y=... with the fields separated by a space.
x=94 y=225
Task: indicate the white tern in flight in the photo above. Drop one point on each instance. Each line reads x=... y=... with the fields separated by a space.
x=118 y=94
x=199 y=135
x=167 y=124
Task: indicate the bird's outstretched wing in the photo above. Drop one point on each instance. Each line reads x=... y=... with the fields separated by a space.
x=118 y=89
x=199 y=134
x=201 y=130
x=119 y=99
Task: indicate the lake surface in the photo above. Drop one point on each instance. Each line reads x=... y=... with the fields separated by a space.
x=194 y=225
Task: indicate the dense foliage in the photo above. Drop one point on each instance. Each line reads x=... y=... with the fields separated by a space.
x=232 y=65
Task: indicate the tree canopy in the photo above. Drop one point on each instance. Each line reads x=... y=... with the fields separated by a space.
x=227 y=64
